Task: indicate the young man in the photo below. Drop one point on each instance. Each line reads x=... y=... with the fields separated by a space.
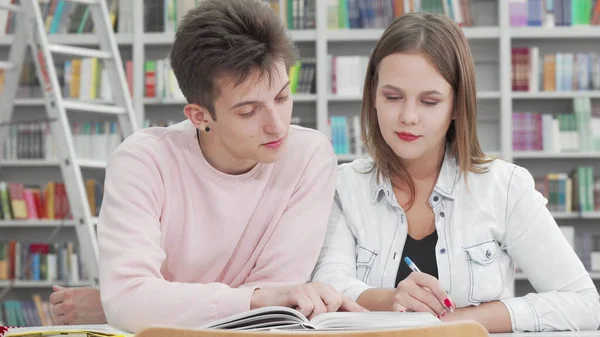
x=227 y=211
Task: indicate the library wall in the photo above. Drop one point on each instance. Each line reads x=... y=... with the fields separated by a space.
x=538 y=96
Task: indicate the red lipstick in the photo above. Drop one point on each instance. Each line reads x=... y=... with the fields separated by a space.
x=407 y=137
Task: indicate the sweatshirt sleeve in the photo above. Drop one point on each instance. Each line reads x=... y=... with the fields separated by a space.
x=134 y=293
x=293 y=248
x=566 y=297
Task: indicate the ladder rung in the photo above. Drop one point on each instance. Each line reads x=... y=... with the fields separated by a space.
x=77 y=51
x=6 y=65
x=93 y=107
x=89 y=163
x=9 y=7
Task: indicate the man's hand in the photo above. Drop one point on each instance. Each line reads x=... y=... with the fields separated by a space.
x=77 y=305
x=310 y=299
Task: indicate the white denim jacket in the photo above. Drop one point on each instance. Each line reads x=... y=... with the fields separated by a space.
x=482 y=231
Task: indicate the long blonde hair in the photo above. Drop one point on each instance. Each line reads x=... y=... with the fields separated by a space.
x=441 y=40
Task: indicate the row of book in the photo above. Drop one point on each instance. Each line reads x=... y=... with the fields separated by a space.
x=34 y=312
x=297 y=14
x=538 y=13
x=303 y=76
x=344 y=133
x=160 y=81
x=87 y=79
x=78 y=78
x=35 y=261
x=66 y=17
x=346 y=74
x=94 y=140
x=20 y=201
x=554 y=72
x=586 y=244
x=575 y=191
x=166 y=15
x=578 y=131
x=343 y=14
x=589 y=250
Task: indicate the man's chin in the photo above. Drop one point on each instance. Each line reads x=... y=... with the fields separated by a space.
x=269 y=156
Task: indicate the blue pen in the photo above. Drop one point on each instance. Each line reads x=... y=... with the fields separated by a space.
x=416 y=269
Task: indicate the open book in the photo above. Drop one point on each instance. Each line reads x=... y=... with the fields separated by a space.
x=282 y=318
x=100 y=330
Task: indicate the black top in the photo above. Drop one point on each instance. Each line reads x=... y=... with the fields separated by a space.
x=422 y=253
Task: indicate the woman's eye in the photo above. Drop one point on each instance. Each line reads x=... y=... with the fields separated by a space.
x=392 y=98
x=430 y=103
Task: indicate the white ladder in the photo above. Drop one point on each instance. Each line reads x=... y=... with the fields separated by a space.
x=30 y=31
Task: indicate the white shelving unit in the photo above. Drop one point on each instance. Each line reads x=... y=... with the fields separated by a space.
x=16 y=224
x=40 y=284
x=574 y=32
x=35 y=223
x=73 y=39
x=555 y=156
x=491 y=46
x=355 y=35
x=555 y=95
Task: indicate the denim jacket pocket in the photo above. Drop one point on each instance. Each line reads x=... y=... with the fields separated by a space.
x=365 y=258
x=487 y=281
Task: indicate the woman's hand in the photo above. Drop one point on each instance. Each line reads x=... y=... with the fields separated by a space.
x=421 y=292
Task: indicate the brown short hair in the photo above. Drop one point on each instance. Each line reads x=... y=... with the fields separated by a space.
x=227 y=37
x=442 y=41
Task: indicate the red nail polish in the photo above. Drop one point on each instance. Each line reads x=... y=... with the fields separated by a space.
x=448 y=303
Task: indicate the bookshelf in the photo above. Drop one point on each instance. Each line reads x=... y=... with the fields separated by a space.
x=555 y=33
x=372 y=35
x=50 y=235
x=35 y=223
x=74 y=39
x=40 y=284
x=555 y=156
x=491 y=38
x=555 y=95
x=39 y=223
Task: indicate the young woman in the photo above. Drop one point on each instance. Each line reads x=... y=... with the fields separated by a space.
x=429 y=193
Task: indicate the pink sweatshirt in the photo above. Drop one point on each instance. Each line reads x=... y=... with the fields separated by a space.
x=183 y=244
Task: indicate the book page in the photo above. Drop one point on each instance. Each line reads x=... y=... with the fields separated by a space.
x=372 y=320
x=259 y=318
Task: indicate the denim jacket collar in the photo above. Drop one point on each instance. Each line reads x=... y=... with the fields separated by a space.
x=445 y=185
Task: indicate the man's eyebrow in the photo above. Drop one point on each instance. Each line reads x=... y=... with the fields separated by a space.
x=284 y=86
x=237 y=105
x=428 y=92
